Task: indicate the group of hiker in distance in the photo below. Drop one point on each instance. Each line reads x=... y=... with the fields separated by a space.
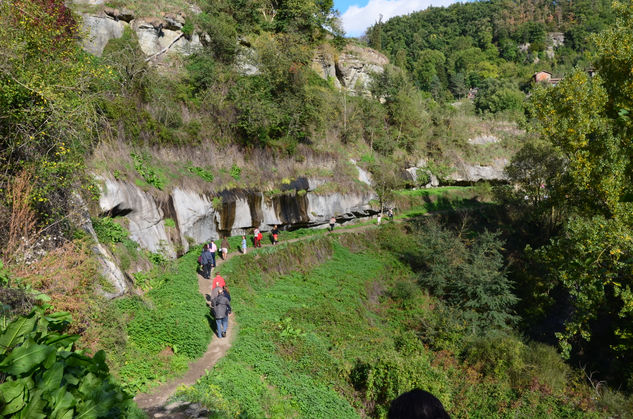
x=220 y=297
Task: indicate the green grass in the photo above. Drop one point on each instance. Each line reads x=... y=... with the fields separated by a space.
x=441 y=191
x=152 y=337
x=329 y=332
x=330 y=326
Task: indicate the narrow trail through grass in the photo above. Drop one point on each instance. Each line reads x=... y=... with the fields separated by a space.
x=154 y=402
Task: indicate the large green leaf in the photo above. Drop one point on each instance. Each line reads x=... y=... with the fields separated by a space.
x=61 y=341
x=64 y=403
x=87 y=410
x=12 y=395
x=25 y=357
x=35 y=408
x=52 y=378
x=16 y=332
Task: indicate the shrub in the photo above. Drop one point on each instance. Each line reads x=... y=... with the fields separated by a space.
x=499 y=355
x=201 y=172
x=44 y=377
x=236 y=172
x=108 y=231
x=151 y=175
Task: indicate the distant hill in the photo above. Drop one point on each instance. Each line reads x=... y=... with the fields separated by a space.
x=449 y=50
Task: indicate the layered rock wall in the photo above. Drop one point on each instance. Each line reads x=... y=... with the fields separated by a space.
x=197 y=220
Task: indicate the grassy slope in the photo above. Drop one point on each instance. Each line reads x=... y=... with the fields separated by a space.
x=329 y=341
x=151 y=337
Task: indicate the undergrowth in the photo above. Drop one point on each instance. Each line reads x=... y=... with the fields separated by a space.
x=153 y=336
x=336 y=327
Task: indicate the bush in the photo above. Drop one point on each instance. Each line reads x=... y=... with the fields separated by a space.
x=497 y=96
x=44 y=377
x=151 y=175
x=201 y=172
x=108 y=231
x=236 y=172
x=498 y=355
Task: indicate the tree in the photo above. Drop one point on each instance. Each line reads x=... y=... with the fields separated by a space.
x=467 y=274
x=586 y=119
x=497 y=96
x=48 y=94
x=385 y=179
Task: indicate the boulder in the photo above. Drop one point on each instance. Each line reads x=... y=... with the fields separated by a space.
x=246 y=60
x=174 y=21
x=124 y=14
x=99 y=31
x=466 y=172
x=154 y=38
x=355 y=66
x=145 y=218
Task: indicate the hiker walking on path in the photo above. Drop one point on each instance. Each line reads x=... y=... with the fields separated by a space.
x=390 y=214
x=379 y=218
x=216 y=285
x=224 y=248
x=206 y=259
x=332 y=223
x=275 y=233
x=257 y=238
x=213 y=248
x=243 y=245
x=221 y=310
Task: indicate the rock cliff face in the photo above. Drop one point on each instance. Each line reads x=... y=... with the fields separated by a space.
x=350 y=69
x=462 y=172
x=196 y=220
x=156 y=36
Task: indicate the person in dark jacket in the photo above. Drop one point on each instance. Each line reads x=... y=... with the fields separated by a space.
x=417 y=404
x=206 y=259
x=221 y=310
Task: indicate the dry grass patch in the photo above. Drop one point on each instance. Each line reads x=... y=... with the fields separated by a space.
x=67 y=275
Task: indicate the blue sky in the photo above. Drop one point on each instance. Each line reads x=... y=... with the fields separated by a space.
x=358 y=15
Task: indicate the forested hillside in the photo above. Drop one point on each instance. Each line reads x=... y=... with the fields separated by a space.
x=450 y=50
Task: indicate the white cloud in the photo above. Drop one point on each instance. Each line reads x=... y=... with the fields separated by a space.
x=357 y=19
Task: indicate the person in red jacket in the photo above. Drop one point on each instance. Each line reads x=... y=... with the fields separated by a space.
x=217 y=284
x=256 y=238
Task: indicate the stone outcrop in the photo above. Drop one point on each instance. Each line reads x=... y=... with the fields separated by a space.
x=351 y=69
x=99 y=30
x=145 y=217
x=356 y=65
x=247 y=60
x=107 y=265
x=197 y=220
x=462 y=172
x=156 y=36
x=465 y=172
